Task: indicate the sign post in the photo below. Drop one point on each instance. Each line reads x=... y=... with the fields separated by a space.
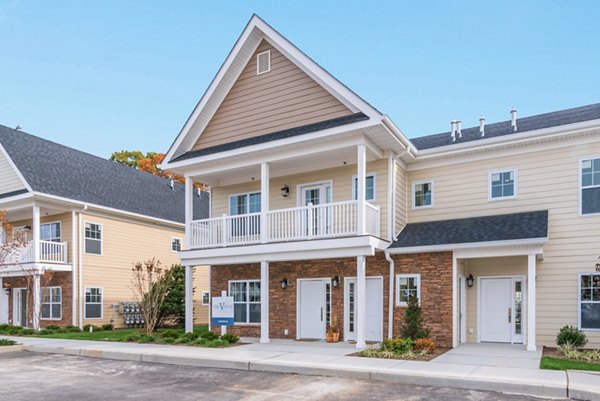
x=222 y=311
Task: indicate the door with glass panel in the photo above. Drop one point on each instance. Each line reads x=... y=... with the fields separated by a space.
x=318 y=219
x=50 y=232
x=501 y=306
x=245 y=220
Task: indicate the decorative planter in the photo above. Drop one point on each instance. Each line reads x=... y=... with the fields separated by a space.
x=333 y=337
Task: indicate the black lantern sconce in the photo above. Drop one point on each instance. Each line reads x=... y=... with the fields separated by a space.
x=28 y=228
x=335 y=281
x=284 y=283
x=470 y=281
x=285 y=191
x=7 y=288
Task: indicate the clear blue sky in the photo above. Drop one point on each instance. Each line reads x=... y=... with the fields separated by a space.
x=110 y=75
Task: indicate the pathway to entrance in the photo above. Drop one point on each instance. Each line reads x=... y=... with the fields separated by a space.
x=487 y=354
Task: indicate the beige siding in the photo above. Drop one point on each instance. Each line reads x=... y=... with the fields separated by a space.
x=9 y=180
x=401 y=199
x=283 y=98
x=341 y=178
x=547 y=179
x=65 y=226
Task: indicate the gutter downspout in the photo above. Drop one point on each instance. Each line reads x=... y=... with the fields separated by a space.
x=80 y=268
x=391 y=196
x=73 y=272
x=390 y=297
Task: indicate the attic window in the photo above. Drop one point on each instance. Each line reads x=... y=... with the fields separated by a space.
x=263 y=62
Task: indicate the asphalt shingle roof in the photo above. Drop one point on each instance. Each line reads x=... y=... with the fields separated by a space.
x=58 y=170
x=502 y=227
x=553 y=119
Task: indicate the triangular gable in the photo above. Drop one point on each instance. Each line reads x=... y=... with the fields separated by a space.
x=209 y=124
x=11 y=180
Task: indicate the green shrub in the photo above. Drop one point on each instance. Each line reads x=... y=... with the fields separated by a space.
x=168 y=340
x=214 y=343
x=571 y=335
x=424 y=344
x=26 y=332
x=4 y=342
x=4 y=327
x=52 y=327
x=86 y=328
x=108 y=327
x=571 y=352
x=230 y=338
x=414 y=326
x=145 y=338
x=210 y=335
x=133 y=338
x=169 y=334
x=191 y=336
x=398 y=345
x=172 y=310
x=72 y=329
x=13 y=330
x=44 y=332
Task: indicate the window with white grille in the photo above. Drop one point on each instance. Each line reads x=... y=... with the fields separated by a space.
x=263 y=62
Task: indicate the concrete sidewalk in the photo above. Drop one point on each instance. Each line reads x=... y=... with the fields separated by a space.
x=333 y=361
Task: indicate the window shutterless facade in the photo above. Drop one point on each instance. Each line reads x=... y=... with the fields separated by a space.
x=503 y=184
x=407 y=285
x=244 y=203
x=93 y=303
x=93 y=238
x=422 y=194
x=175 y=244
x=589 y=301
x=246 y=301
x=51 y=232
x=51 y=303
x=590 y=186
x=370 y=187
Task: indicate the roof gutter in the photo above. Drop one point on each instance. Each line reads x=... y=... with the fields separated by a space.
x=408 y=146
x=468 y=245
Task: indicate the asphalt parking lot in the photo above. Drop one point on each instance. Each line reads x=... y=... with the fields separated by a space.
x=32 y=376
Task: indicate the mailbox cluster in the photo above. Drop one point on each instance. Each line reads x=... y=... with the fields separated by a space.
x=132 y=314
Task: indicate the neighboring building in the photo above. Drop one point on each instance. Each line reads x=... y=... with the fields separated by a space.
x=86 y=220
x=323 y=210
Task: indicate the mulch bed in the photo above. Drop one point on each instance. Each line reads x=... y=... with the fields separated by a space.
x=425 y=358
x=552 y=352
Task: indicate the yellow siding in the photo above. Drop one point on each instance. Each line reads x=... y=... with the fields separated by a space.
x=280 y=99
x=342 y=189
x=9 y=180
x=401 y=199
x=65 y=226
x=547 y=179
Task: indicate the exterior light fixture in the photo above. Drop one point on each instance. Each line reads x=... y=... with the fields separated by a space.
x=335 y=281
x=285 y=191
x=28 y=228
x=470 y=281
x=284 y=283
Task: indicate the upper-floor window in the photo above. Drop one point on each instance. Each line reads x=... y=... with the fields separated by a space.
x=50 y=232
x=589 y=301
x=422 y=194
x=175 y=244
x=244 y=203
x=93 y=238
x=503 y=184
x=263 y=62
x=370 y=185
x=590 y=186
x=21 y=233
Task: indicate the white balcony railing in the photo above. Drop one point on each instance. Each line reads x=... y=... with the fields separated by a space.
x=300 y=223
x=49 y=252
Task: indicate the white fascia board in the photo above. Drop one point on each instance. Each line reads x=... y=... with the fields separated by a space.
x=16 y=170
x=17 y=200
x=31 y=267
x=398 y=134
x=530 y=242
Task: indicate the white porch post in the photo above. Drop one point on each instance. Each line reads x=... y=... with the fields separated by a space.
x=189 y=299
x=264 y=302
x=531 y=279
x=361 y=167
x=454 y=300
x=189 y=211
x=36 y=301
x=35 y=226
x=264 y=202
x=361 y=299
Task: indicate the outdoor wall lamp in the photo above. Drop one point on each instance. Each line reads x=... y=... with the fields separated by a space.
x=470 y=281
x=285 y=191
x=284 y=283
x=28 y=228
x=335 y=281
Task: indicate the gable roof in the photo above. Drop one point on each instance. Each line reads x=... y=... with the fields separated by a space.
x=254 y=33
x=504 y=227
x=54 y=169
x=539 y=121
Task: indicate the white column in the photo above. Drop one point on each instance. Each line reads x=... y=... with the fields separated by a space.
x=531 y=278
x=189 y=299
x=189 y=211
x=391 y=296
x=73 y=270
x=361 y=173
x=36 y=301
x=361 y=299
x=264 y=202
x=454 y=300
x=264 y=302
x=35 y=226
x=391 y=215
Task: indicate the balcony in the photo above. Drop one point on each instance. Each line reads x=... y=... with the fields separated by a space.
x=49 y=252
x=331 y=220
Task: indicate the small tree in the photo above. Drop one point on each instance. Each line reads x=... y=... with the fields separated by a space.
x=173 y=308
x=413 y=320
x=150 y=286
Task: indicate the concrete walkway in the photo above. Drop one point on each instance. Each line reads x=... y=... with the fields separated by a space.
x=317 y=359
x=499 y=355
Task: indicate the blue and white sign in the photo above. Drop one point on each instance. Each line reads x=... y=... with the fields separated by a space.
x=222 y=311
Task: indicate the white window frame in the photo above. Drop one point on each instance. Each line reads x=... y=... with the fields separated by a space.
x=207 y=293
x=85 y=317
x=354 y=187
x=412 y=275
x=515 y=184
x=587 y=302
x=180 y=244
x=51 y=303
x=414 y=194
x=301 y=187
x=581 y=187
x=49 y=224
x=93 y=239
x=258 y=72
x=247 y=300
x=247 y=202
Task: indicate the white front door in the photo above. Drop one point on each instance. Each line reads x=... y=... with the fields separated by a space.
x=312 y=309
x=3 y=304
x=374 y=315
x=501 y=309
x=20 y=307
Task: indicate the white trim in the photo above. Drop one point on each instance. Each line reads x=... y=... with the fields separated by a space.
x=16 y=310
x=173 y=238
x=301 y=187
x=88 y=287
x=462 y=301
x=489 y=246
x=454 y=300
x=515 y=184
x=579 y=301
x=326 y=280
x=258 y=72
x=407 y=275
x=94 y=239
x=425 y=181
x=247 y=202
x=202 y=298
x=50 y=223
x=247 y=323
x=51 y=303
x=580 y=178
x=369 y=174
x=346 y=306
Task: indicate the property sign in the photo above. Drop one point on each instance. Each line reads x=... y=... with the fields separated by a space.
x=222 y=311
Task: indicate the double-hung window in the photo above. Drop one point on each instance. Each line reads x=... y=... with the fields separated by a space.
x=51 y=303
x=205 y=298
x=422 y=194
x=242 y=204
x=93 y=303
x=407 y=285
x=175 y=244
x=246 y=301
x=590 y=186
x=503 y=184
x=50 y=232
x=93 y=238
x=370 y=185
x=589 y=301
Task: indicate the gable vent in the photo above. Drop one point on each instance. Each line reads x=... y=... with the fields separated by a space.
x=263 y=62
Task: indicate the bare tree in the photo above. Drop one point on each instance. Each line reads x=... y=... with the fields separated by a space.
x=150 y=287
